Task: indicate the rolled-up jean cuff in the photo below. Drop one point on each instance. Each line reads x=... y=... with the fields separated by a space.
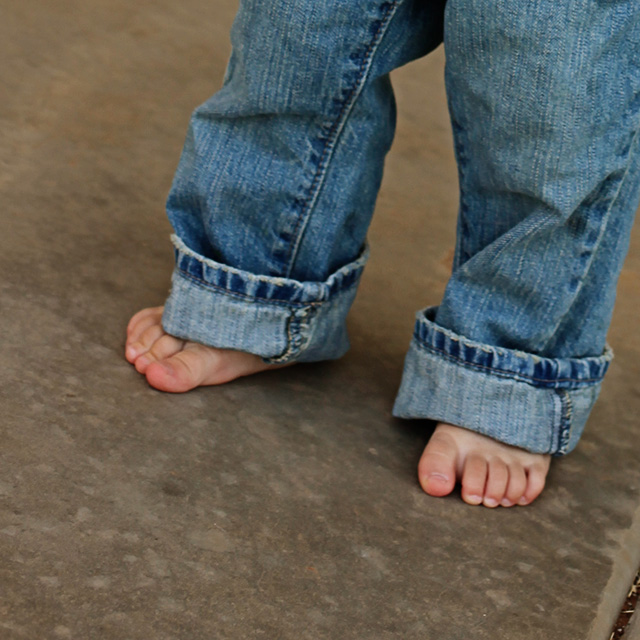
x=538 y=404
x=280 y=319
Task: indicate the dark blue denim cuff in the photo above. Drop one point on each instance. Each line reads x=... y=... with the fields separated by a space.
x=279 y=319
x=538 y=404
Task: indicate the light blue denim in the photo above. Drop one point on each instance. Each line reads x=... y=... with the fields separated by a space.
x=278 y=179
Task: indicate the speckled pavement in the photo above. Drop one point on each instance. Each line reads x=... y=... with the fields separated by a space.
x=283 y=506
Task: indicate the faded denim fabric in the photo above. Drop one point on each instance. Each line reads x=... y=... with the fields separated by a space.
x=279 y=174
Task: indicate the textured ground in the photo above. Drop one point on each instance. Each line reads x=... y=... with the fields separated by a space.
x=282 y=506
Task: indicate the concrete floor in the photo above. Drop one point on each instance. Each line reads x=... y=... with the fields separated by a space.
x=281 y=506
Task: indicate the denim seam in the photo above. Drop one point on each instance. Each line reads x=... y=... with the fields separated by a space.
x=603 y=225
x=459 y=132
x=460 y=254
x=337 y=277
x=566 y=413
x=295 y=341
x=336 y=129
x=208 y=285
x=182 y=248
x=499 y=372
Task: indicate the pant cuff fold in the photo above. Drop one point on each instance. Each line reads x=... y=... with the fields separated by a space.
x=280 y=319
x=538 y=404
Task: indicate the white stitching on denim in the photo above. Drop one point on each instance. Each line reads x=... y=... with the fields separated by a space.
x=566 y=415
x=556 y=413
x=203 y=284
x=336 y=130
x=295 y=344
x=278 y=282
x=603 y=224
x=498 y=372
x=607 y=354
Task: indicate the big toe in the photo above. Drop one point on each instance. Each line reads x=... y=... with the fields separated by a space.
x=179 y=373
x=437 y=466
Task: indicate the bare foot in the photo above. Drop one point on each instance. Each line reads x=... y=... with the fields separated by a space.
x=175 y=365
x=491 y=473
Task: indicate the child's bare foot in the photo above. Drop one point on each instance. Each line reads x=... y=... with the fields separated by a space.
x=175 y=365
x=491 y=473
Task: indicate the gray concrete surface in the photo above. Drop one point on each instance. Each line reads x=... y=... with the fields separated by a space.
x=281 y=506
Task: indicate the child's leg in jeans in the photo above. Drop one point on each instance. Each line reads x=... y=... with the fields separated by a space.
x=545 y=105
x=278 y=180
x=276 y=187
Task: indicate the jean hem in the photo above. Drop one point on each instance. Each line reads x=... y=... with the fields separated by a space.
x=538 y=404
x=279 y=319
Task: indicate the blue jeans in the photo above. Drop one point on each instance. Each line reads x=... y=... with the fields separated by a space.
x=279 y=175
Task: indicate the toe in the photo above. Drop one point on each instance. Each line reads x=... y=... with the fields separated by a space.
x=536 y=478
x=144 y=325
x=183 y=371
x=163 y=348
x=145 y=341
x=474 y=479
x=517 y=485
x=142 y=320
x=437 y=466
x=496 y=482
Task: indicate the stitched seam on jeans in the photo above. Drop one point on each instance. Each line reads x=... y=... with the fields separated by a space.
x=293 y=326
x=295 y=344
x=603 y=225
x=460 y=255
x=342 y=273
x=243 y=296
x=501 y=372
x=335 y=131
x=556 y=419
x=566 y=412
x=426 y=326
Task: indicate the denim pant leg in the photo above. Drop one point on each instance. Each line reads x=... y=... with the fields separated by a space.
x=545 y=104
x=280 y=170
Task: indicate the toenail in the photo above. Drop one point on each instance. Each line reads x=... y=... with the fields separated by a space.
x=143 y=361
x=132 y=352
x=490 y=502
x=506 y=503
x=438 y=477
x=474 y=499
x=522 y=501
